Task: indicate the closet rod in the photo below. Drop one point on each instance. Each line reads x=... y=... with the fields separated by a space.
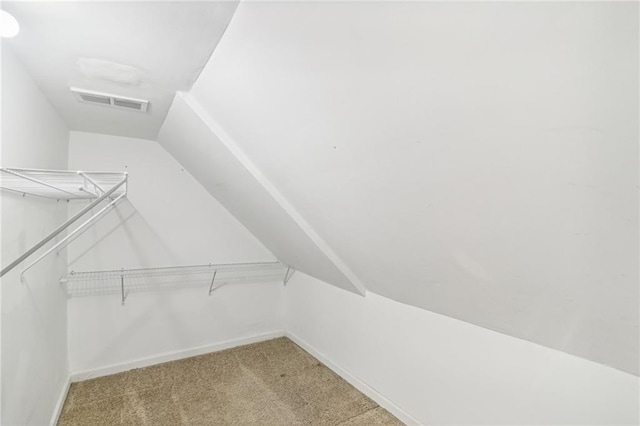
x=80 y=228
x=62 y=227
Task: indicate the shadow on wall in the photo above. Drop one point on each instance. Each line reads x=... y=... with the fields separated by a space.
x=138 y=319
x=123 y=238
x=123 y=220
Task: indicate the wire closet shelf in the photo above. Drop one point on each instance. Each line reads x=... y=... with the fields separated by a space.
x=60 y=184
x=211 y=276
x=64 y=185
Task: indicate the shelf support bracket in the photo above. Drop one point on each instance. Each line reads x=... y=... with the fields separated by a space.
x=95 y=184
x=122 y=288
x=287 y=277
x=212 y=280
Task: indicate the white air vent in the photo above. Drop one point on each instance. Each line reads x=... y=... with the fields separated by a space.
x=115 y=101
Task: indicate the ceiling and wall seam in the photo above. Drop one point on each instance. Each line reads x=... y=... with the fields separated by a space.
x=224 y=30
x=246 y=162
x=128 y=49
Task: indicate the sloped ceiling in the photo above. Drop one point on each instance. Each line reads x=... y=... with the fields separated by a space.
x=205 y=150
x=146 y=50
x=475 y=159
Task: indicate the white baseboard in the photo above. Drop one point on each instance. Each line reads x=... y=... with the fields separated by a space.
x=58 y=408
x=357 y=383
x=172 y=356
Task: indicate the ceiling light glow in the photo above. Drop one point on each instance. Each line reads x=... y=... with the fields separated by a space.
x=8 y=25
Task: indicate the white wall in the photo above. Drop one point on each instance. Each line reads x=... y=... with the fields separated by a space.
x=168 y=219
x=444 y=371
x=476 y=159
x=167 y=325
x=34 y=313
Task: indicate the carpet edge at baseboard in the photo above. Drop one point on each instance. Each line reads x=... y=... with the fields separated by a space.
x=78 y=376
x=356 y=382
x=57 y=411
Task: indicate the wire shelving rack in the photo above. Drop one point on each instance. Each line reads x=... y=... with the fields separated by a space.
x=211 y=276
x=60 y=184
x=64 y=185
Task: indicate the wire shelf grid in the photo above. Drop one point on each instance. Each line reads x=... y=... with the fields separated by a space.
x=213 y=276
x=60 y=184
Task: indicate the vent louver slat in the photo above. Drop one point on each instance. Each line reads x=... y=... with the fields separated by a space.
x=127 y=104
x=95 y=99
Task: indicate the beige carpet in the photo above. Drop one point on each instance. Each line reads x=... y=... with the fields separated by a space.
x=268 y=383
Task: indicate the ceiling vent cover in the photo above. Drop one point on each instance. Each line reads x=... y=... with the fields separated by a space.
x=122 y=102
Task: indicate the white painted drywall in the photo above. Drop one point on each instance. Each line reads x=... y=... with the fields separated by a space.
x=476 y=159
x=193 y=138
x=34 y=313
x=168 y=219
x=103 y=333
x=441 y=370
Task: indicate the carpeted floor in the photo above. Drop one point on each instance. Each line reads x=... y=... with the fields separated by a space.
x=268 y=383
